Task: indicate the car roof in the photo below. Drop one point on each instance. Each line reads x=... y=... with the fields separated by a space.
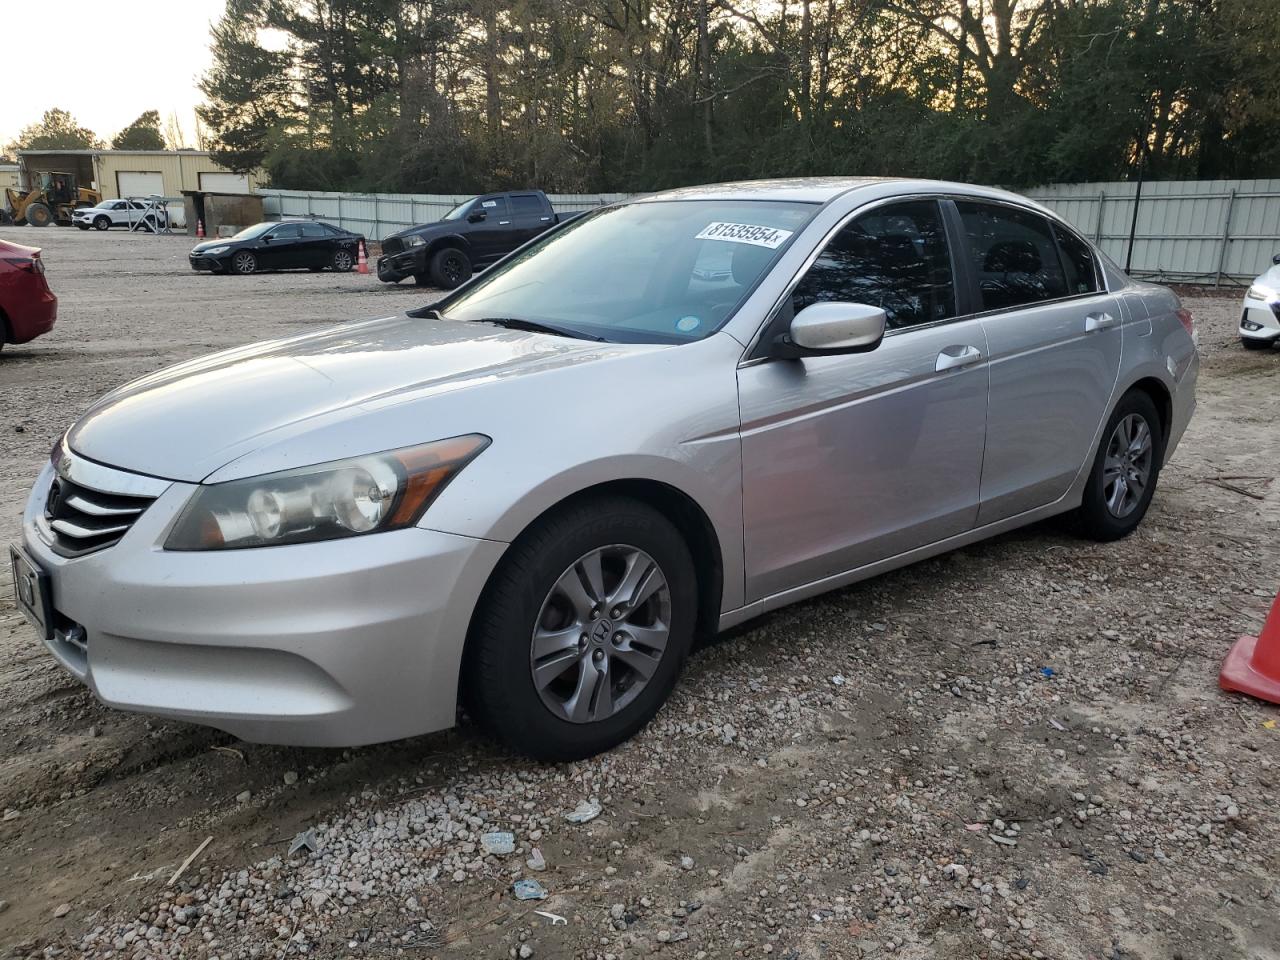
x=826 y=189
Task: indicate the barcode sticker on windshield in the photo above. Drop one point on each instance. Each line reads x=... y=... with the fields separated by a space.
x=770 y=237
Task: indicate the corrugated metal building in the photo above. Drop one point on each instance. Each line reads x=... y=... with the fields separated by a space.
x=9 y=176
x=139 y=173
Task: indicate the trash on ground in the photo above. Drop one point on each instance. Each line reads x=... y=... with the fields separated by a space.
x=305 y=840
x=585 y=811
x=187 y=862
x=1056 y=725
x=555 y=918
x=499 y=842
x=529 y=890
x=838 y=680
x=1048 y=672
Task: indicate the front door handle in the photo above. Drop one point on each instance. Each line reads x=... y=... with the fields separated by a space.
x=956 y=357
x=1098 y=321
x=503 y=223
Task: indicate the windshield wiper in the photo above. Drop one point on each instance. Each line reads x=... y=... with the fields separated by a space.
x=537 y=326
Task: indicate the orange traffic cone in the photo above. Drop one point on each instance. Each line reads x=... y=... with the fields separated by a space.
x=1253 y=665
x=362 y=262
x=200 y=229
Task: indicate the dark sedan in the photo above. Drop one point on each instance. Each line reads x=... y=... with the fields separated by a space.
x=294 y=244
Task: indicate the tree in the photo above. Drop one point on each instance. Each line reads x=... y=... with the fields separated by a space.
x=57 y=130
x=142 y=134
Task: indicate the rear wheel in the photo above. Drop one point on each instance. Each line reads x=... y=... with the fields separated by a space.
x=582 y=631
x=38 y=215
x=342 y=260
x=1251 y=343
x=450 y=267
x=102 y=223
x=244 y=262
x=1125 y=470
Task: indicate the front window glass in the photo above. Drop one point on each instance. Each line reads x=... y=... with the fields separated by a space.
x=1013 y=254
x=460 y=211
x=894 y=257
x=257 y=230
x=654 y=272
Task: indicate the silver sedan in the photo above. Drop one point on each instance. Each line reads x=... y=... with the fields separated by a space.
x=657 y=421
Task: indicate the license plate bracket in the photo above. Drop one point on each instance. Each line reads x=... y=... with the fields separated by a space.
x=31 y=592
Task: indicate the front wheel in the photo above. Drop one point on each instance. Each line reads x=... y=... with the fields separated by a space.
x=1125 y=470
x=38 y=215
x=450 y=268
x=244 y=262
x=582 y=631
x=101 y=223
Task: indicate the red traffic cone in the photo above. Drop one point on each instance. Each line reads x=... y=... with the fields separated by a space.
x=200 y=229
x=362 y=262
x=1253 y=665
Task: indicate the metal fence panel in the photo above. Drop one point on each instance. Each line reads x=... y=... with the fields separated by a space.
x=378 y=215
x=1192 y=230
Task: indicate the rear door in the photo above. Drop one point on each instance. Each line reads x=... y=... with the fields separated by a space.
x=530 y=215
x=315 y=246
x=1054 y=335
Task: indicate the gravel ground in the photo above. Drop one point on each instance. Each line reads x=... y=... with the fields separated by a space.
x=1018 y=749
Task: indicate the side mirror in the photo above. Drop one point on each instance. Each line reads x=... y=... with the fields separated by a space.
x=1276 y=259
x=267 y=238
x=831 y=328
x=475 y=216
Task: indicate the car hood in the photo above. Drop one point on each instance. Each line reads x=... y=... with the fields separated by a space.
x=439 y=228
x=210 y=244
x=1270 y=278
x=187 y=421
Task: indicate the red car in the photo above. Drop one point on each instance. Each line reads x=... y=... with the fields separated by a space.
x=27 y=305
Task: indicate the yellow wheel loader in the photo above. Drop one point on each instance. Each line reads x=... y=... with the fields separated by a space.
x=51 y=202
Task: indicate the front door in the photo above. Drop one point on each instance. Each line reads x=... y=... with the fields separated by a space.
x=279 y=249
x=1054 y=334
x=852 y=459
x=493 y=237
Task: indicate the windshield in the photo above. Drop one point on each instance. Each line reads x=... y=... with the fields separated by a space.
x=653 y=272
x=257 y=230
x=458 y=212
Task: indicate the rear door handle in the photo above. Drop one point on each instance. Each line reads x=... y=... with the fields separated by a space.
x=1098 y=321
x=956 y=357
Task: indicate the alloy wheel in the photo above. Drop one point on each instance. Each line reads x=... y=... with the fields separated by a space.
x=342 y=261
x=452 y=268
x=600 y=634
x=245 y=262
x=1126 y=471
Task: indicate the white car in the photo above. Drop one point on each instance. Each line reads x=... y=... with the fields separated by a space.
x=1260 y=321
x=114 y=213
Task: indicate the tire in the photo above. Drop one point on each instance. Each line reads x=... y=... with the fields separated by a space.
x=38 y=215
x=102 y=223
x=450 y=267
x=1251 y=343
x=83 y=226
x=1105 y=513
x=244 y=262
x=342 y=261
x=563 y=717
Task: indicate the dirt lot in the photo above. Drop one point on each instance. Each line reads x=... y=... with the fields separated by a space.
x=1015 y=750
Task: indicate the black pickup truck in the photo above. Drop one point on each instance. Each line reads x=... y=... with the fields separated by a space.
x=471 y=236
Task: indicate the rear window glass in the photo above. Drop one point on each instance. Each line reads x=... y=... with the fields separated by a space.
x=1079 y=261
x=1013 y=254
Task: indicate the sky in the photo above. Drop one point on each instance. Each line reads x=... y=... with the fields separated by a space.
x=119 y=59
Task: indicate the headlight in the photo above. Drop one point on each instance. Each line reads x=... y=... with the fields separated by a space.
x=1259 y=292
x=345 y=498
x=214 y=251
x=416 y=240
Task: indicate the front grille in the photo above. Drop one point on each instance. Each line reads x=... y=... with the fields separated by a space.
x=80 y=520
x=392 y=245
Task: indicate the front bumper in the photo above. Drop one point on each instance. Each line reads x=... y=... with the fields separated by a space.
x=338 y=643
x=1260 y=319
x=398 y=266
x=205 y=263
